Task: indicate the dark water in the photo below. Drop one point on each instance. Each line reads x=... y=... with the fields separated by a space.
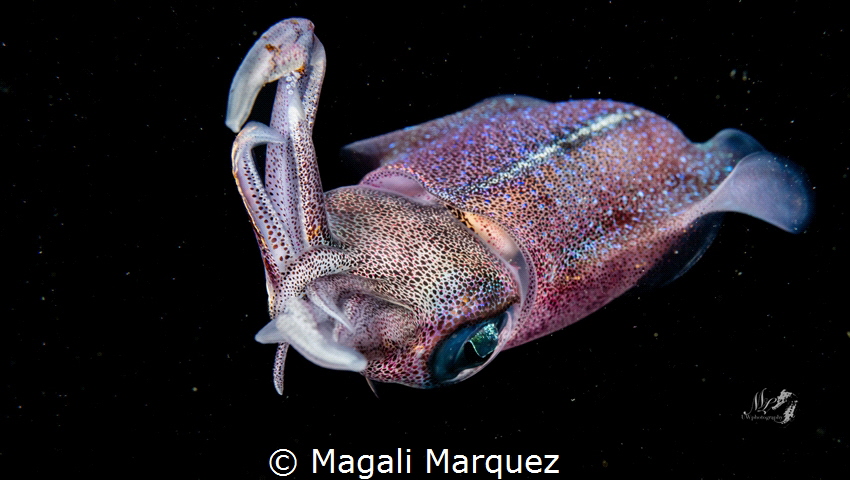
x=134 y=287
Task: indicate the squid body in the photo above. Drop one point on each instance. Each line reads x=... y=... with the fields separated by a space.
x=478 y=231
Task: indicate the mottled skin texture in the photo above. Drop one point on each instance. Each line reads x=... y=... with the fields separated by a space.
x=591 y=206
x=423 y=258
x=478 y=231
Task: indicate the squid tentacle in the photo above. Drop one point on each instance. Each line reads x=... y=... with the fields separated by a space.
x=287 y=206
x=279 y=362
x=273 y=233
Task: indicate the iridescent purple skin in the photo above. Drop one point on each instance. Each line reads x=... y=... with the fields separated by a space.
x=479 y=231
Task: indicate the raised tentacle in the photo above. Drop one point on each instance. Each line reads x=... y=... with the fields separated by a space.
x=288 y=208
x=284 y=49
x=273 y=234
x=295 y=113
x=291 y=53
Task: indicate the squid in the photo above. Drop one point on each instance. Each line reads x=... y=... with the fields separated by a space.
x=479 y=231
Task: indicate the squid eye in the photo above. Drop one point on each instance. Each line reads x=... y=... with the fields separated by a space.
x=468 y=347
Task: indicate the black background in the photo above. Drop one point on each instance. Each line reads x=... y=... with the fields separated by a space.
x=134 y=287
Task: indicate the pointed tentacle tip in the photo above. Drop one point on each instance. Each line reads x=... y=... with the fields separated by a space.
x=371 y=386
x=279 y=363
x=256 y=133
x=253 y=135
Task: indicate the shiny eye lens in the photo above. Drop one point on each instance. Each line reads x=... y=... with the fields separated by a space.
x=484 y=341
x=469 y=346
